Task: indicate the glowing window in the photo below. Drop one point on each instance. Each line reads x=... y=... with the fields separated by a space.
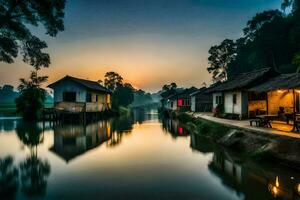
x=179 y=102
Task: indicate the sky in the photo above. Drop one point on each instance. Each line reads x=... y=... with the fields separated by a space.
x=148 y=42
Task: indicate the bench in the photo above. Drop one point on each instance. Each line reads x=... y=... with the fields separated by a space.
x=257 y=122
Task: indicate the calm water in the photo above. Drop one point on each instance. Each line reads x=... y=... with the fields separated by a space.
x=137 y=157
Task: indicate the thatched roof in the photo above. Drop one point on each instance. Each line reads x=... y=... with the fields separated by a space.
x=184 y=94
x=91 y=85
x=245 y=80
x=283 y=81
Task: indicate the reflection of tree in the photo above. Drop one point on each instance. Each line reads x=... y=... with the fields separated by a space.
x=34 y=172
x=30 y=134
x=8 y=178
x=121 y=125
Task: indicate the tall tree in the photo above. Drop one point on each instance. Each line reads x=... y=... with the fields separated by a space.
x=32 y=97
x=123 y=96
x=15 y=36
x=112 y=80
x=220 y=57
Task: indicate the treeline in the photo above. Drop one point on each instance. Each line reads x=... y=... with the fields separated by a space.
x=8 y=95
x=124 y=94
x=270 y=39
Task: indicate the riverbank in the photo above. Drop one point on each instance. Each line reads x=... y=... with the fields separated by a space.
x=278 y=149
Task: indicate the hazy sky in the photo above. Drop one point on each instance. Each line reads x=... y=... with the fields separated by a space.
x=148 y=42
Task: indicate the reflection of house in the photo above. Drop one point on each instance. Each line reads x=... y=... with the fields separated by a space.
x=201 y=101
x=233 y=94
x=254 y=182
x=175 y=128
x=78 y=95
x=71 y=141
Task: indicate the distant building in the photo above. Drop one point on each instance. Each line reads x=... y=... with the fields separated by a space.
x=201 y=101
x=78 y=95
x=181 y=100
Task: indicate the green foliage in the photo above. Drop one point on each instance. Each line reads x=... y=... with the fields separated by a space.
x=271 y=39
x=184 y=118
x=296 y=61
x=15 y=36
x=141 y=98
x=32 y=97
x=122 y=96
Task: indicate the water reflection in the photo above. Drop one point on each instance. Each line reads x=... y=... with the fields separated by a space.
x=174 y=127
x=9 y=175
x=34 y=173
x=249 y=179
x=71 y=141
x=33 y=170
x=8 y=124
x=207 y=172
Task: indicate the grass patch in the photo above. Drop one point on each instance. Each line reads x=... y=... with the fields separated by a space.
x=124 y=110
x=203 y=127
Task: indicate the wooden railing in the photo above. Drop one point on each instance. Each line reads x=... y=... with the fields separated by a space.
x=76 y=107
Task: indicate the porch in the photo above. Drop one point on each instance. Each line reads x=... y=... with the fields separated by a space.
x=79 y=107
x=278 y=127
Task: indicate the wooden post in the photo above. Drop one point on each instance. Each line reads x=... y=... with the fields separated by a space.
x=267 y=101
x=294 y=110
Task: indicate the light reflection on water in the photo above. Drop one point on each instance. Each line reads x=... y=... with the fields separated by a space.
x=131 y=157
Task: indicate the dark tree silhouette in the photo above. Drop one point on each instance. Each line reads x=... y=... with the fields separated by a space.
x=171 y=86
x=123 y=96
x=220 y=57
x=271 y=39
x=32 y=97
x=30 y=134
x=112 y=80
x=33 y=171
x=15 y=36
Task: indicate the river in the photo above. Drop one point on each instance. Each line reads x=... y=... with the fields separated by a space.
x=130 y=157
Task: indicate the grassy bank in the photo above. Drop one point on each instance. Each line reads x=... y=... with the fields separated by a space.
x=249 y=144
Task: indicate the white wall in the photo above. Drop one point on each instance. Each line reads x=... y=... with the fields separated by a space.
x=193 y=103
x=229 y=107
x=69 y=86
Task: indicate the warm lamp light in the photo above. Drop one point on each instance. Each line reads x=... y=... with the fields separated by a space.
x=280 y=91
x=298 y=188
x=298 y=91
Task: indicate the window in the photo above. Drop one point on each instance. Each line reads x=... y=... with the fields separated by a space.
x=219 y=100
x=88 y=97
x=69 y=96
x=180 y=102
x=186 y=102
x=234 y=98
